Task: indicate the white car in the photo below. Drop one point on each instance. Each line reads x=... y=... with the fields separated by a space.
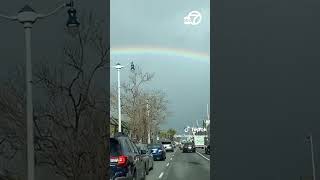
x=168 y=146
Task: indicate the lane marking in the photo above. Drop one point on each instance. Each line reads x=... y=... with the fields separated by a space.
x=202 y=156
x=161 y=175
x=168 y=164
x=170 y=159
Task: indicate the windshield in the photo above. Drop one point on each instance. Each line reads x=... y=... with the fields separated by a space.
x=114 y=147
x=154 y=146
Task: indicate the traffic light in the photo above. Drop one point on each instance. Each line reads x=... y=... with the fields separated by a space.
x=132 y=66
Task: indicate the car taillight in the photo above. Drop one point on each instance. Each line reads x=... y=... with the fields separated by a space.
x=122 y=160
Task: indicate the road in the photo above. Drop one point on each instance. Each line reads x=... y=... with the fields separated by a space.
x=184 y=166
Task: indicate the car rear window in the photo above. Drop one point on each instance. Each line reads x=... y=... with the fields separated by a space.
x=115 y=148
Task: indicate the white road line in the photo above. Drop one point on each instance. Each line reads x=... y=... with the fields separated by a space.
x=202 y=156
x=170 y=158
x=161 y=175
x=168 y=164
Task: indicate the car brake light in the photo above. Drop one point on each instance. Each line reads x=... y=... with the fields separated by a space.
x=122 y=160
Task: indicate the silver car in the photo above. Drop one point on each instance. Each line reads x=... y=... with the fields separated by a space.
x=168 y=146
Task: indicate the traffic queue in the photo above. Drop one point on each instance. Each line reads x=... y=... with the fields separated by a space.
x=129 y=160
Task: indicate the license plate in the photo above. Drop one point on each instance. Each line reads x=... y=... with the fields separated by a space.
x=113 y=160
x=189 y=147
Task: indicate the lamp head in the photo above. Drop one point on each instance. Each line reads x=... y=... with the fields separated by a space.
x=72 y=19
x=132 y=66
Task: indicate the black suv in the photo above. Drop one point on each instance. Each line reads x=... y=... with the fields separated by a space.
x=189 y=147
x=125 y=159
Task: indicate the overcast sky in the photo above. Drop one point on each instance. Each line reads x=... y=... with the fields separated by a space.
x=153 y=23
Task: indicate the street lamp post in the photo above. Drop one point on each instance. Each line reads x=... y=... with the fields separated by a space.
x=27 y=16
x=118 y=66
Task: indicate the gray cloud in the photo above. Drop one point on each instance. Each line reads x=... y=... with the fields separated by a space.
x=160 y=23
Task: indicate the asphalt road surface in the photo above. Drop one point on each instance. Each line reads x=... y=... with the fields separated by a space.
x=182 y=166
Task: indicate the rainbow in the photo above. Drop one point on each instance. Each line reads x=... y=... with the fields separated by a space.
x=159 y=51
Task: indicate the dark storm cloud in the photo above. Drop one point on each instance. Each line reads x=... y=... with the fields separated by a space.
x=47 y=42
x=267 y=95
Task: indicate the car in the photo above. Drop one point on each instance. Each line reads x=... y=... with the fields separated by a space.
x=168 y=145
x=158 y=152
x=126 y=162
x=147 y=156
x=207 y=149
x=189 y=147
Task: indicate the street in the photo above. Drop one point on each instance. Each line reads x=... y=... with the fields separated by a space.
x=184 y=166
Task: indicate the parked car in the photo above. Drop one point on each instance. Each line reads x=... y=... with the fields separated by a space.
x=158 y=152
x=126 y=162
x=147 y=157
x=207 y=149
x=168 y=145
x=189 y=147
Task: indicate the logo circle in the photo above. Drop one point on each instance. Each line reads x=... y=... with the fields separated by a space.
x=196 y=17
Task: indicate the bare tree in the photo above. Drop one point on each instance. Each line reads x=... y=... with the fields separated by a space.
x=70 y=117
x=12 y=122
x=131 y=98
x=134 y=104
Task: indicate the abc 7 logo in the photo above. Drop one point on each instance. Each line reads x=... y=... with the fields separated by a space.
x=193 y=18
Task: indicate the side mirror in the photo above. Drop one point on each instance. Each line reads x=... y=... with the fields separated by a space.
x=143 y=151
